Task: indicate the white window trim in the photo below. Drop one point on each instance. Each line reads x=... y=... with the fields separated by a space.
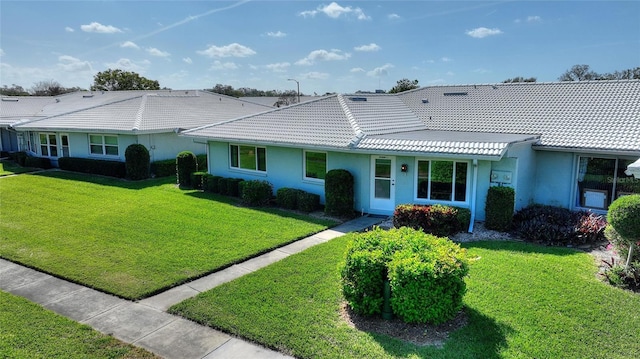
x=304 y=166
x=40 y=144
x=60 y=150
x=247 y=170
x=104 y=145
x=469 y=183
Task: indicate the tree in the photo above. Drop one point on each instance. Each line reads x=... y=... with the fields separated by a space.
x=47 y=88
x=578 y=73
x=14 y=90
x=519 y=79
x=630 y=74
x=404 y=85
x=118 y=80
x=623 y=216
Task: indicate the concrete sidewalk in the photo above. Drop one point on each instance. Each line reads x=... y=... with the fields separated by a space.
x=145 y=323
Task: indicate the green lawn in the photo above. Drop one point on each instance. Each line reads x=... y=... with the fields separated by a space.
x=29 y=331
x=10 y=168
x=523 y=301
x=132 y=239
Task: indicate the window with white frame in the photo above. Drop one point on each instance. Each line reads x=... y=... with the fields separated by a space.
x=315 y=165
x=64 y=145
x=32 y=144
x=602 y=180
x=251 y=158
x=104 y=145
x=441 y=180
x=48 y=145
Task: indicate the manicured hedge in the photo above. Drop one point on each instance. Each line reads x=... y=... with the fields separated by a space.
x=137 y=162
x=499 y=208
x=164 y=168
x=435 y=219
x=197 y=180
x=338 y=189
x=98 y=167
x=287 y=197
x=37 y=162
x=202 y=162
x=186 y=164
x=426 y=274
x=307 y=202
x=256 y=192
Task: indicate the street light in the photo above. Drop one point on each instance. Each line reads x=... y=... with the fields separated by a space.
x=297 y=83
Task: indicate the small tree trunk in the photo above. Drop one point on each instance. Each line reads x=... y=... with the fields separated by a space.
x=626 y=267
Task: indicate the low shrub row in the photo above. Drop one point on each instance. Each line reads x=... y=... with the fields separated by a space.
x=297 y=199
x=439 y=220
x=164 y=168
x=558 y=226
x=37 y=162
x=219 y=185
x=92 y=166
x=425 y=273
x=256 y=192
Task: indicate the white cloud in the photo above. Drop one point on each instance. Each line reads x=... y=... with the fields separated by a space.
x=368 y=48
x=159 y=53
x=534 y=19
x=394 y=17
x=323 y=55
x=315 y=75
x=128 y=65
x=1 y=52
x=446 y=59
x=72 y=64
x=187 y=60
x=218 y=65
x=482 y=32
x=69 y=29
x=357 y=69
x=481 y=71
x=334 y=11
x=130 y=45
x=450 y=73
x=380 y=71
x=99 y=28
x=276 y=34
x=231 y=50
x=278 y=67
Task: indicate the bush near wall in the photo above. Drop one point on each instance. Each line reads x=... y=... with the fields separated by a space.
x=434 y=219
x=256 y=192
x=213 y=184
x=307 y=202
x=137 y=162
x=164 y=168
x=338 y=189
x=202 y=163
x=37 y=162
x=98 y=167
x=197 y=180
x=19 y=157
x=426 y=274
x=499 y=208
x=287 y=197
x=186 y=164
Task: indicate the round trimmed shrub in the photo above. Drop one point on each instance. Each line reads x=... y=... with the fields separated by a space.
x=426 y=274
x=624 y=216
x=137 y=162
x=186 y=164
x=338 y=189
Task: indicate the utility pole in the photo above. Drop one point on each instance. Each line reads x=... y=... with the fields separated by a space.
x=297 y=83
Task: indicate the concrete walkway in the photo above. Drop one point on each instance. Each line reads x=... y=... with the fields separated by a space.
x=146 y=323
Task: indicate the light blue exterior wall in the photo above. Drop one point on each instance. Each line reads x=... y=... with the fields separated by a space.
x=555 y=178
x=520 y=162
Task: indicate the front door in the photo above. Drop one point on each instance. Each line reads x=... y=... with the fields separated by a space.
x=383 y=183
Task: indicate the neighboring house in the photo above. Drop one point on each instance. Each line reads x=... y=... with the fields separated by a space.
x=102 y=125
x=15 y=109
x=564 y=144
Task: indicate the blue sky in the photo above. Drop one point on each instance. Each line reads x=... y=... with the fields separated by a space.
x=341 y=46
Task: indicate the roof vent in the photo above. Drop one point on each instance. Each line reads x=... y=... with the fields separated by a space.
x=456 y=93
x=361 y=99
x=425 y=100
x=8 y=99
x=87 y=96
x=57 y=100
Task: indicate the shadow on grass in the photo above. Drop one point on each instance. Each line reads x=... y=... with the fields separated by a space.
x=521 y=247
x=105 y=180
x=482 y=337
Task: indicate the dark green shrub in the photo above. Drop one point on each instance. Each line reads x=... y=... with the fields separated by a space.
x=624 y=216
x=213 y=184
x=338 y=189
x=19 y=157
x=98 y=167
x=256 y=192
x=136 y=159
x=426 y=274
x=205 y=182
x=164 y=168
x=186 y=164
x=287 y=197
x=197 y=179
x=499 y=208
x=233 y=187
x=37 y=162
x=223 y=185
x=202 y=163
x=307 y=202
x=435 y=219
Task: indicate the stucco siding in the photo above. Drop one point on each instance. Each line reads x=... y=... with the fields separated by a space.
x=554 y=178
x=164 y=146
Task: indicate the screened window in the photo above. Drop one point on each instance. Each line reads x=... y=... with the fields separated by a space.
x=248 y=157
x=315 y=165
x=48 y=145
x=442 y=180
x=602 y=180
x=103 y=145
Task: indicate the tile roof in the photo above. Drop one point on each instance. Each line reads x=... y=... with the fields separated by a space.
x=147 y=111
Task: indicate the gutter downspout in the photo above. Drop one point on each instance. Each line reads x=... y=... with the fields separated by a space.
x=474 y=192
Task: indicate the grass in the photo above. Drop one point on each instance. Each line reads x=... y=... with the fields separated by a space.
x=29 y=331
x=133 y=239
x=523 y=301
x=10 y=168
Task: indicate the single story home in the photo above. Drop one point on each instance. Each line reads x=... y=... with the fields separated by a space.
x=102 y=124
x=565 y=144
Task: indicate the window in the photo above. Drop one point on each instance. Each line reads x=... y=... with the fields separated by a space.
x=315 y=165
x=103 y=145
x=32 y=145
x=248 y=157
x=600 y=181
x=442 y=180
x=48 y=145
x=64 y=141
